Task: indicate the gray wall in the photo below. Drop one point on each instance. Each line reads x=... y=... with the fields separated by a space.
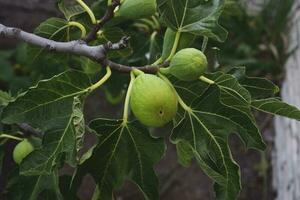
x=286 y=159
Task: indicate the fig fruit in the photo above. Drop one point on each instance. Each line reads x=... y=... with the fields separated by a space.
x=153 y=102
x=187 y=64
x=22 y=150
x=185 y=41
x=136 y=9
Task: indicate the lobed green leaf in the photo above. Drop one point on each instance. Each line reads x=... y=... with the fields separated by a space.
x=126 y=152
x=196 y=17
x=50 y=107
x=276 y=107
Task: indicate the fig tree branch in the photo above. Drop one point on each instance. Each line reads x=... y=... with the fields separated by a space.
x=77 y=47
x=29 y=130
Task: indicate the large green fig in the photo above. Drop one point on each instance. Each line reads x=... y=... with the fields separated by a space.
x=136 y=9
x=153 y=102
x=187 y=64
x=185 y=41
x=22 y=150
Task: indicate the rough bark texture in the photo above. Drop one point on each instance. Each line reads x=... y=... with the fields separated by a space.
x=287 y=140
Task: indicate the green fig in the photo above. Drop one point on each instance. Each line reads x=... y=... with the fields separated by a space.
x=185 y=41
x=136 y=9
x=22 y=150
x=187 y=64
x=153 y=102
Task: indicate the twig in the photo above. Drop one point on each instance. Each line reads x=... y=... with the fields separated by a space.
x=109 y=14
x=29 y=130
x=122 y=44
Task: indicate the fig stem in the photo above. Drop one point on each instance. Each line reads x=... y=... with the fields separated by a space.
x=156 y=22
x=126 y=104
x=2 y=135
x=175 y=45
x=180 y=100
x=157 y=62
x=102 y=80
x=142 y=26
x=137 y=72
x=80 y=26
x=206 y=80
x=164 y=71
x=88 y=10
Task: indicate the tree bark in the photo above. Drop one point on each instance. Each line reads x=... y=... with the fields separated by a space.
x=286 y=158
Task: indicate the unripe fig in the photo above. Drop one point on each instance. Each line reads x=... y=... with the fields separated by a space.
x=185 y=41
x=136 y=9
x=187 y=64
x=22 y=150
x=153 y=102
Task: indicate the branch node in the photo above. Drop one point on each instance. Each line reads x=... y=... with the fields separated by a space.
x=108 y=45
x=81 y=42
x=16 y=31
x=109 y=14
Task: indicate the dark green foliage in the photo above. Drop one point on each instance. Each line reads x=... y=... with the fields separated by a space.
x=125 y=150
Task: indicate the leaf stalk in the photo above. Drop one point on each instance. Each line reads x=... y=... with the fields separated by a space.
x=11 y=137
x=206 y=80
x=80 y=26
x=175 y=46
x=101 y=81
x=126 y=104
x=88 y=10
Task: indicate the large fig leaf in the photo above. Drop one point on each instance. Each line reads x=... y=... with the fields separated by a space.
x=233 y=103
x=217 y=111
x=39 y=105
x=49 y=107
x=198 y=17
x=204 y=134
x=127 y=152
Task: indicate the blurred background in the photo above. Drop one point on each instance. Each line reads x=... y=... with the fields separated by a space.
x=263 y=36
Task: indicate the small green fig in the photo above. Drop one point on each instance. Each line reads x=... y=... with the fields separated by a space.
x=22 y=150
x=153 y=102
x=187 y=64
x=136 y=9
x=185 y=41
